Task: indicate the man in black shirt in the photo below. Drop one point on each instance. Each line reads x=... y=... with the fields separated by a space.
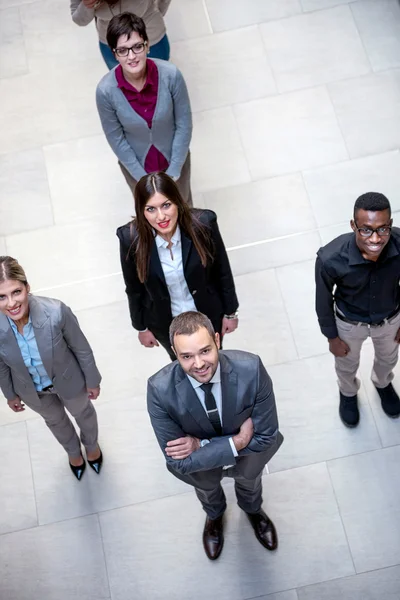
x=357 y=296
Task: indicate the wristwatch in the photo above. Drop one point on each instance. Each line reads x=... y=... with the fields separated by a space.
x=232 y=316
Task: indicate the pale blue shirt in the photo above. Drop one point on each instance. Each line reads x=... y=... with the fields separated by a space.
x=30 y=354
x=172 y=266
x=217 y=393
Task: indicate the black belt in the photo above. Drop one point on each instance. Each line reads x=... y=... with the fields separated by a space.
x=49 y=388
x=358 y=323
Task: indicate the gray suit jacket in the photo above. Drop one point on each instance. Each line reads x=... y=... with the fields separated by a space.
x=175 y=411
x=65 y=352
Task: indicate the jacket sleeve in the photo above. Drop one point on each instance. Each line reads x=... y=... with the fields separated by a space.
x=221 y=271
x=163 y=6
x=80 y=347
x=183 y=126
x=324 y=303
x=115 y=135
x=6 y=383
x=134 y=288
x=81 y=14
x=264 y=416
x=216 y=454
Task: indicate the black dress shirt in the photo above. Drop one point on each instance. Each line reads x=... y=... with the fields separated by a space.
x=365 y=291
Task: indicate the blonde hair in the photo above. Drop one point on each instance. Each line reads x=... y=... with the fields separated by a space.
x=10 y=269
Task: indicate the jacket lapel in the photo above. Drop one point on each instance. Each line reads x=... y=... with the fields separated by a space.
x=42 y=327
x=229 y=391
x=155 y=264
x=186 y=247
x=190 y=402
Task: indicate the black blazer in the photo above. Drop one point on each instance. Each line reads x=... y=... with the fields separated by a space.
x=212 y=287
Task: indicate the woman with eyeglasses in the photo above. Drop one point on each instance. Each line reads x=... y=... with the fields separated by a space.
x=152 y=12
x=174 y=260
x=144 y=108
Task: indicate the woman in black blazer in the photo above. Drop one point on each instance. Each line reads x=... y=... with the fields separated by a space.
x=173 y=259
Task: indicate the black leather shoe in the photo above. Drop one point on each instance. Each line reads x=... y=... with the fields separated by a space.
x=78 y=471
x=348 y=410
x=213 y=537
x=264 y=529
x=96 y=464
x=389 y=400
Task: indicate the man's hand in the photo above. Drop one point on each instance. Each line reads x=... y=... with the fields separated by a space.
x=93 y=392
x=397 y=337
x=146 y=338
x=338 y=347
x=228 y=325
x=16 y=404
x=182 y=447
x=242 y=439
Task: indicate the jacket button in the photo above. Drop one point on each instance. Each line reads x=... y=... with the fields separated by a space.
x=194 y=292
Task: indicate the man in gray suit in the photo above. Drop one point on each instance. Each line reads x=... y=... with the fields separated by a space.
x=214 y=415
x=47 y=363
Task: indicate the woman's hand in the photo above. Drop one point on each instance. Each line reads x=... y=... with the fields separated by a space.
x=16 y=404
x=147 y=339
x=91 y=3
x=229 y=325
x=93 y=393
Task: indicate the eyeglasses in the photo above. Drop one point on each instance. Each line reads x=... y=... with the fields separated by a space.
x=136 y=49
x=367 y=231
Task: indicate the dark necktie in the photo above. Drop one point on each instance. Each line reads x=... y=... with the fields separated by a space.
x=211 y=408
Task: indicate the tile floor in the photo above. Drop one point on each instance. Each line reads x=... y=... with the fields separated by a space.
x=297 y=112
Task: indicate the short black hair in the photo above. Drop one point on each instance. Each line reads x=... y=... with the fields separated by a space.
x=125 y=24
x=373 y=201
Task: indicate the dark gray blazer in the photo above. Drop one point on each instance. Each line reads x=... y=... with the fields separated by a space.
x=64 y=349
x=175 y=411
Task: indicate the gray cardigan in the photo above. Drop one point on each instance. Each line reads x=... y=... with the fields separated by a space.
x=128 y=133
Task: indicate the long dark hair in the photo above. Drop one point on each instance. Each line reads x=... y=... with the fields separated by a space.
x=188 y=221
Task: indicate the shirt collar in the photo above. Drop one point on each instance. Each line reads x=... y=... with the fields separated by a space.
x=151 y=78
x=356 y=258
x=13 y=325
x=176 y=238
x=215 y=379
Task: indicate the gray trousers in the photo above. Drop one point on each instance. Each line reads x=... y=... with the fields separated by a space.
x=386 y=353
x=248 y=494
x=52 y=409
x=183 y=183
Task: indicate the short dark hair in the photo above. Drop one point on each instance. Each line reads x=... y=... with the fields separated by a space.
x=188 y=323
x=373 y=201
x=125 y=24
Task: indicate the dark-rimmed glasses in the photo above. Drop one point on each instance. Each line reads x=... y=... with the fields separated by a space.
x=136 y=49
x=366 y=232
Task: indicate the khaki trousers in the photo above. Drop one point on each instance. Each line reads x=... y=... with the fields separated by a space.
x=183 y=183
x=52 y=409
x=386 y=353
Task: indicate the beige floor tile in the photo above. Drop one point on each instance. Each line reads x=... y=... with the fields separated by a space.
x=186 y=19
x=25 y=202
x=98 y=187
x=13 y=57
x=262 y=210
x=217 y=76
x=289 y=133
x=334 y=189
x=218 y=158
x=232 y=14
x=315 y=48
x=321 y=4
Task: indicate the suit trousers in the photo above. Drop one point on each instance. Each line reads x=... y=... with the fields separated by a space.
x=183 y=183
x=386 y=353
x=52 y=409
x=248 y=494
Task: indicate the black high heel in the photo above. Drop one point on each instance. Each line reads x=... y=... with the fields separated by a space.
x=78 y=471
x=96 y=464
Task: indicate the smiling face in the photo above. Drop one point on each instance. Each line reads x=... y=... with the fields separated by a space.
x=162 y=215
x=198 y=354
x=14 y=299
x=371 y=247
x=132 y=64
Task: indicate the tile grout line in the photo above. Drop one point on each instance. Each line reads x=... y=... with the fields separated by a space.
x=32 y=476
x=286 y=312
x=341 y=518
x=104 y=556
x=207 y=15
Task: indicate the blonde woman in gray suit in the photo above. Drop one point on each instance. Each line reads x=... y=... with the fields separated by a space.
x=46 y=362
